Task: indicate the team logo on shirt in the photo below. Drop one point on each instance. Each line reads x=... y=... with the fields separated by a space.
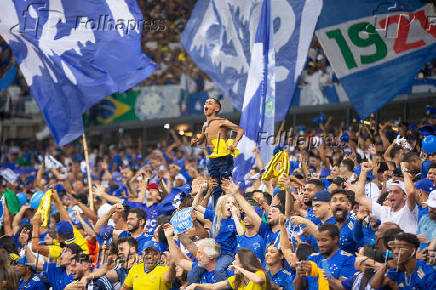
x=256 y=246
x=420 y=273
x=230 y=227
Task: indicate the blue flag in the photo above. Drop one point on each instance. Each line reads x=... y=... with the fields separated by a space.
x=74 y=53
x=257 y=117
x=220 y=34
x=376 y=48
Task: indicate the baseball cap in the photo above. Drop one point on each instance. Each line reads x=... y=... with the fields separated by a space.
x=64 y=228
x=322 y=195
x=117 y=178
x=180 y=176
x=431 y=201
x=391 y=183
x=425 y=184
x=152 y=186
x=153 y=245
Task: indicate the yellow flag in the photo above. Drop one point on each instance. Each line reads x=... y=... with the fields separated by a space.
x=44 y=208
x=277 y=167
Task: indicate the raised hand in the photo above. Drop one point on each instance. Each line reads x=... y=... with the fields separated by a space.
x=168 y=230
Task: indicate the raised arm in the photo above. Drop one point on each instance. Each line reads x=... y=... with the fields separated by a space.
x=18 y=218
x=99 y=190
x=230 y=188
x=7 y=220
x=62 y=211
x=285 y=243
x=235 y=217
x=175 y=251
x=106 y=217
x=36 y=246
x=360 y=188
x=410 y=188
x=86 y=227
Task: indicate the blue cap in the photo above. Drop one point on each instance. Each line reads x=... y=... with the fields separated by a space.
x=150 y=244
x=322 y=195
x=64 y=228
x=117 y=178
x=425 y=184
x=22 y=198
x=324 y=172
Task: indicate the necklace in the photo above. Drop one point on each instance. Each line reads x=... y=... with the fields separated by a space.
x=406 y=278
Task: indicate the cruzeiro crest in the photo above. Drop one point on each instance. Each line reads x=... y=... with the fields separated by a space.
x=149 y=105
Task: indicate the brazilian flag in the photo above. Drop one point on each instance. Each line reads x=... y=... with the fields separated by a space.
x=115 y=108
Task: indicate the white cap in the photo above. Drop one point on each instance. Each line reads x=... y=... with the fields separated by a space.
x=431 y=201
x=180 y=176
x=399 y=183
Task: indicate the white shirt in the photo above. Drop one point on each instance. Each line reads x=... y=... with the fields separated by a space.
x=372 y=191
x=407 y=220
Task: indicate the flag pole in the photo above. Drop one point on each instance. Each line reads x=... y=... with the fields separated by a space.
x=85 y=150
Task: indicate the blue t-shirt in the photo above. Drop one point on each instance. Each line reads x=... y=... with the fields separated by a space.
x=227 y=233
x=283 y=278
x=57 y=277
x=424 y=277
x=255 y=243
x=35 y=283
x=427 y=227
x=268 y=235
x=421 y=211
x=341 y=264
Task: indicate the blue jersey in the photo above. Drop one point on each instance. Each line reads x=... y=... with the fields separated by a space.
x=35 y=283
x=152 y=213
x=424 y=277
x=255 y=243
x=363 y=234
x=142 y=239
x=310 y=239
x=283 y=278
x=227 y=233
x=311 y=216
x=346 y=241
x=57 y=276
x=341 y=264
x=268 y=235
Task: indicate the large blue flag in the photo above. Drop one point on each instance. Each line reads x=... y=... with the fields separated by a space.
x=377 y=48
x=220 y=34
x=74 y=53
x=257 y=116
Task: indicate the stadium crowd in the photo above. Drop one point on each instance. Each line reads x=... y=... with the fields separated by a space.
x=355 y=211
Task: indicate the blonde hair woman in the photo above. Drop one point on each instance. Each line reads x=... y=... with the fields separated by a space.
x=224 y=220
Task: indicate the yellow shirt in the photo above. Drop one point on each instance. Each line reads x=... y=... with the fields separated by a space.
x=138 y=279
x=251 y=285
x=55 y=250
